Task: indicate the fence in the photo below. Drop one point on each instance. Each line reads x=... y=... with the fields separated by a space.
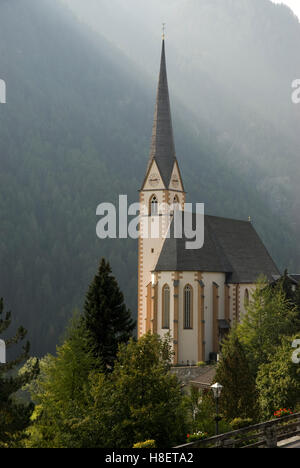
x=264 y=435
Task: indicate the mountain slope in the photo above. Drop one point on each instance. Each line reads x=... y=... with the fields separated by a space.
x=232 y=63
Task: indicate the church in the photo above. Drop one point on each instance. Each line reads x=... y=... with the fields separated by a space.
x=194 y=295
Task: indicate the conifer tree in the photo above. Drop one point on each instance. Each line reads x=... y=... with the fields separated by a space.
x=239 y=396
x=14 y=416
x=106 y=317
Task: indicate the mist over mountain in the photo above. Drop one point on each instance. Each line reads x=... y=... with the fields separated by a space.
x=232 y=63
x=76 y=130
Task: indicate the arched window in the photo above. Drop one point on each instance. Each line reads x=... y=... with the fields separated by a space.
x=166 y=307
x=175 y=205
x=188 y=307
x=246 y=298
x=153 y=206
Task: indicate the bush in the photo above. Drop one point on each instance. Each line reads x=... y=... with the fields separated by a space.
x=201 y=364
x=149 y=444
x=240 y=423
x=196 y=436
x=282 y=412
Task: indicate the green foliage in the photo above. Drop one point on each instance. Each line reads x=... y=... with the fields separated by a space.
x=201 y=408
x=59 y=393
x=78 y=407
x=196 y=436
x=201 y=364
x=278 y=381
x=292 y=294
x=239 y=397
x=148 y=444
x=240 y=423
x=140 y=400
x=269 y=317
x=14 y=416
x=106 y=319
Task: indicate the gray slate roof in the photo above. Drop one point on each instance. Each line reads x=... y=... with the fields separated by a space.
x=230 y=246
x=295 y=277
x=162 y=146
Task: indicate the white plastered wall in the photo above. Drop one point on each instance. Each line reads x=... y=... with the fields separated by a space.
x=208 y=280
x=188 y=339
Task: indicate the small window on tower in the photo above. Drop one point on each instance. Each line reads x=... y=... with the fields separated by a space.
x=154 y=206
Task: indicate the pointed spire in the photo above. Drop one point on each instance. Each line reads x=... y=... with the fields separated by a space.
x=162 y=147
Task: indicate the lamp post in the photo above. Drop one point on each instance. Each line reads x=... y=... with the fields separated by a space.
x=217 y=389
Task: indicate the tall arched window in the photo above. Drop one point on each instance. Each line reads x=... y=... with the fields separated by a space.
x=166 y=307
x=246 y=298
x=188 y=307
x=153 y=206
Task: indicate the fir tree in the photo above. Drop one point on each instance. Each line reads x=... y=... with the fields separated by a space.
x=106 y=317
x=14 y=416
x=239 y=396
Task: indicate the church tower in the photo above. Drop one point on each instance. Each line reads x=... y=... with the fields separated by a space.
x=161 y=189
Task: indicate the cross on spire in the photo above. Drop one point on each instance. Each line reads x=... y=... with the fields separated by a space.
x=163 y=31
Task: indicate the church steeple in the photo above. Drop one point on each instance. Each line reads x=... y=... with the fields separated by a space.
x=162 y=189
x=162 y=147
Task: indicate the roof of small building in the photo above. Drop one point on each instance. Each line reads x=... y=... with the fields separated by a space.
x=295 y=277
x=230 y=246
x=206 y=379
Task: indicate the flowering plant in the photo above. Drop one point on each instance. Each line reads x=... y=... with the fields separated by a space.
x=282 y=412
x=196 y=436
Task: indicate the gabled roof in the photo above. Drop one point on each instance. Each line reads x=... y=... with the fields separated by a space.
x=230 y=246
x=162 y=146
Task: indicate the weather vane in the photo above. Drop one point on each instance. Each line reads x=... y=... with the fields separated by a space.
x=163 y=31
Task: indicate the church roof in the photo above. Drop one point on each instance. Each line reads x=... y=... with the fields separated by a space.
x=162 y=146
x=230 y=246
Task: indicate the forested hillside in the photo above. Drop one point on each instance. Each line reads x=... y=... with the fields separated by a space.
x=232 y=63
x=76 y=132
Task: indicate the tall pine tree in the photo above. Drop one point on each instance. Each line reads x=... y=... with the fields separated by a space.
x=106 y=317
x=14 y=416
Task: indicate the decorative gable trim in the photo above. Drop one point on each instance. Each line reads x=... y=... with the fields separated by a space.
x=150 y=168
